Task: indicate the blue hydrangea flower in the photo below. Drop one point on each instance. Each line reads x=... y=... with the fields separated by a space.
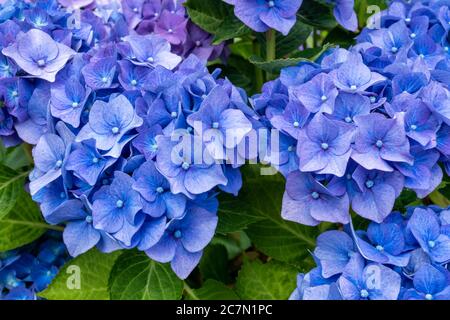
x=261 y=15
x=317 y=95
x=116 y=204
x=370 y=282
x=109 y=122
x=308 y=201
x=379 y=140
x=38 y=54
x=324 y=146
x=425 y=227
x=377 y=193
x=430 y=283
x=184 y=240
x=68 y=99
x=157 y=199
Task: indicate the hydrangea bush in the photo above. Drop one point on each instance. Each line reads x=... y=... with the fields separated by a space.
x=150 y=133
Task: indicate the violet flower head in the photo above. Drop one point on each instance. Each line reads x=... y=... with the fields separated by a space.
x=38 y=54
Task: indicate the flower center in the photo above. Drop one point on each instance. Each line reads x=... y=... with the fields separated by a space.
x=290 y=148
x=177 y=234
x=119 y=204
x=353 y=87
x=413 y=127
x=62 y=195
x=104 y=79
x=75 y=104
x=324 y=146
x=379 y=248
x=348 y=176
x=412 y=35
x=185 y=165
x=323 y=98
x=394 y=49
x=379 y=144
x=369 y=184
x=348 y=119
x=174 y=114
x=315 y=195
x=150 y=59
x=133 y=82
x=88 y=219
x=407 y=20
x=271 y=4
x=429 y=296
x=215 y=125
x=421 y=55
x=431 y=243
x=170 y=31
x=135 y=10
x=14 y=93
x=95 y=160
x=115 y=130
x=58 y=164
x=160 y=190
x=41 y=62
x=296 y=124
x=198 y=43
x=364 y=293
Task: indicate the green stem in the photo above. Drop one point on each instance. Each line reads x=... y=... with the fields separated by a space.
x=439 y=199
x=190 y=292
x=270 y=48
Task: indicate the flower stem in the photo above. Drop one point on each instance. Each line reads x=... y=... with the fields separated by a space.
x=439 y=199
x=270 y=48
x=190 y=292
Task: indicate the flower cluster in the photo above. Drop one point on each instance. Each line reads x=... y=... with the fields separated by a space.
x=37 y=39
x=404 y=258
x=168 y=19
x=30 y=269
x=118 y=120
x=361 y=124
x=281 y=15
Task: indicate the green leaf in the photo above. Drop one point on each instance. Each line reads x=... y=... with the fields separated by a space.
x=94 y=268
x=317 y=14
x=214 y=263
x=276 y=65
x=217 y=18
x=235 y=243
x=258 y=210
x=11 y=184
x=270 y=281
x=212 y=290
x=136 y=277
x=23 y=224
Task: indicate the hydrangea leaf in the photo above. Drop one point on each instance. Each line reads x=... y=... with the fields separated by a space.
x=94 y=269
x=11 y=183
x=23 y=224
x=235 y=243
x=317 y=14
x=265 y=281
x=217 y=18
x=136 y=277
x=257 y=209
x=212 y=290
x=214 y=263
